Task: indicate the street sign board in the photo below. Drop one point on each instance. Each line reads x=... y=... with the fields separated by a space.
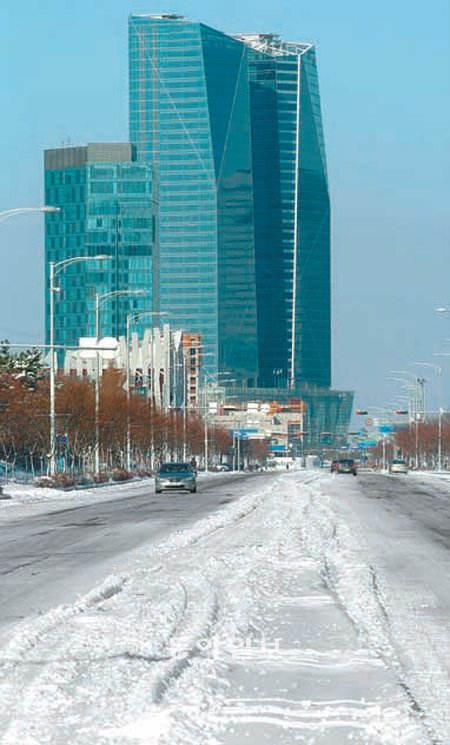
x=367 y=444
x=386 y=428
x=245 y=434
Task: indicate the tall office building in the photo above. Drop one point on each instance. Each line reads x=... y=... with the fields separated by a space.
x=108 y=207
x=233 y=128
x=291 y=209
x=190 y=117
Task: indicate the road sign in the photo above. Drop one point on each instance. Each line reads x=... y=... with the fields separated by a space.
x=368 y=422
x=367 y=444
x=386 y=428
x=245 y=434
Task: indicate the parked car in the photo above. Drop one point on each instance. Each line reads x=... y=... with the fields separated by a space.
x=176 y=476
x=344 y=465
x=398 y=466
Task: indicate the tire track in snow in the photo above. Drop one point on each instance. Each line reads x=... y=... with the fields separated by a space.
x=56 y=647
x=351 y=579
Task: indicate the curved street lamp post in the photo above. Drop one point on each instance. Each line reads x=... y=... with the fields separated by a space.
x=100 y=299
x=54 y=269
x=46 y=209
x=208 y=377
x=418 y=411
x=132 y=318
x=438 y=370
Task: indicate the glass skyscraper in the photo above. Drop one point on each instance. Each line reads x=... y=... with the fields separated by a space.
x=190 y=117
x=233 y=127
x=292 y=208
x=108 y=207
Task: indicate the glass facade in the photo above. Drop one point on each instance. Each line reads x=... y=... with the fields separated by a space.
x=292 y=213
x=233 y=126
x=190 y=117
x=313 y=309
x=108 y=207
x=327 y=411
x=268 y=222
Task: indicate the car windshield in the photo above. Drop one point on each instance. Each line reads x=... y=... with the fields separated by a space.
x=175 y=468
x=346 y=462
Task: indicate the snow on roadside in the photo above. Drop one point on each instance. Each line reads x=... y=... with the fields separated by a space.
x=159 y=653
x=29 y=499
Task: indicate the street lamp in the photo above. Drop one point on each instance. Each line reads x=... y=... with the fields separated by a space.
x=438 y=369
x=213 y=377
x=415 y=414
x=186 y=355
x=46 y=209
x=101 y=298
x=54 y=269
x=413 y=386
x=132 y=318
x=207 y=377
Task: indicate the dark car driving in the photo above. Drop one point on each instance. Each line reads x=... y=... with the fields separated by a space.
x=344 y=465
x=175 y=476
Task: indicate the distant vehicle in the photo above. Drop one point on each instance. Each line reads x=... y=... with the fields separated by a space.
x=176 y=476
x=223 y=467
x=344 y=465
x=398 y=466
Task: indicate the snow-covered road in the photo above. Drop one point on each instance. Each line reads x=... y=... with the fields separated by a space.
x=48 y=537
x=285 y=608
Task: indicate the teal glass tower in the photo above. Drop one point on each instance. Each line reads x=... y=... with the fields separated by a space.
x=108 y=206
x=190 y=117
x=233 y=127
x=292 y=211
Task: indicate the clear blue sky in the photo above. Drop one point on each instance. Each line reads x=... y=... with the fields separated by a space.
x=385 y=84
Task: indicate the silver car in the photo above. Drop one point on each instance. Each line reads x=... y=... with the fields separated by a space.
x=398 y=466
x=175 y=476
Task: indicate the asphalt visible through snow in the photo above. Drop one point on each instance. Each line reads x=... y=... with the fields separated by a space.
x=402 y=526
x=426 y=503
x=51 y=558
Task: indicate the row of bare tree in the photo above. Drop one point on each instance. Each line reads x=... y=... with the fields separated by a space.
x=419 y=444
x=155 y=435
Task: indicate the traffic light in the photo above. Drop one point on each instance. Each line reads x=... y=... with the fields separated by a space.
x=401 y=412
x=361 y=412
